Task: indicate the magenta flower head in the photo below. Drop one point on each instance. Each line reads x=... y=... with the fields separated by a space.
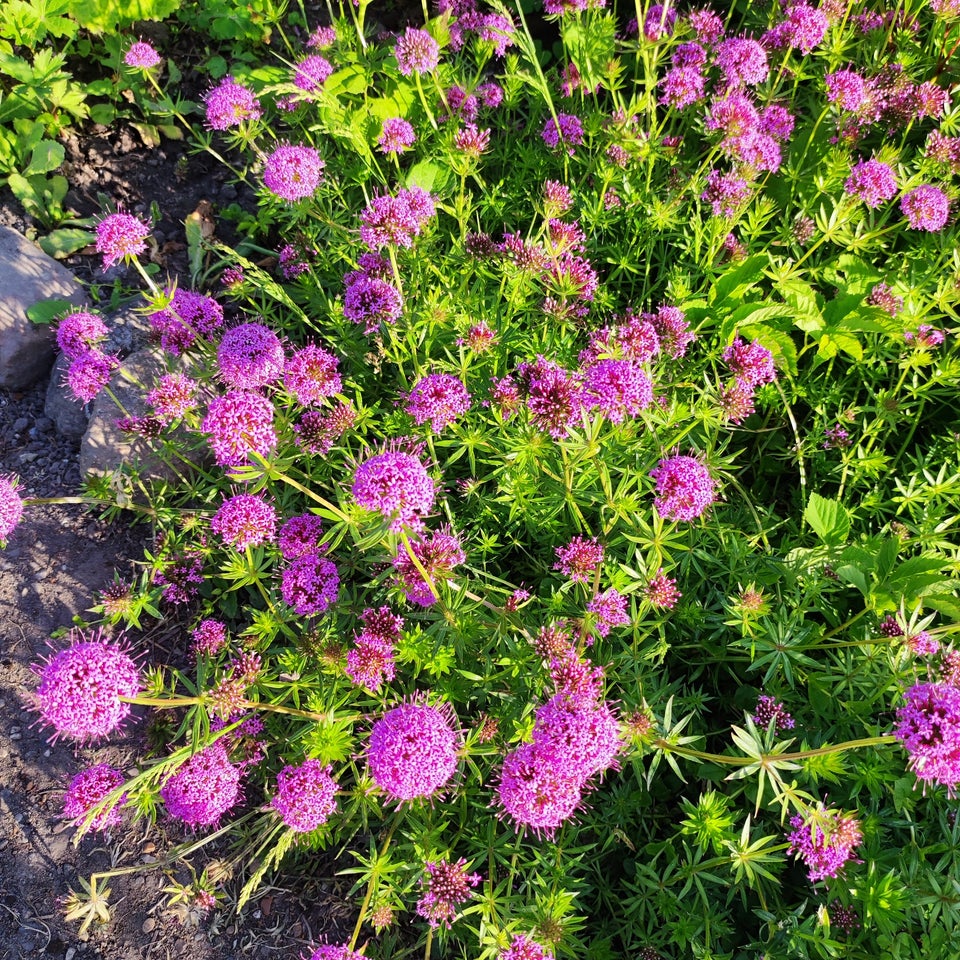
x=79 y=332
x=238 y=423
x=230 y=104
x=579 y=558
x=684 y=488
x=438 y=397
x=299 y=535
x=310 y=584
x=312 y=72
x=751 y=362
x=871 y=181
x=413 y=750
x=331 y=951
x=141 y=56
x=305 y=796
x=416 y=52
x=825 y=841
x=202 y=790
x=565 y=130
x=293 y=173
x=397 y=135
x=81 y=687
x=929 y=729
x=89 y=373
x=189 y=315
x=536 y=791
x=11 y=506
x=311 y=375
x=523 y=947
x=250 y=356
x=121 y=235
x=743 y=61
x=396 y=484
x=245 y=521
x=437 y=554
x=446 y=886
x=87 y=789
x=926 y=208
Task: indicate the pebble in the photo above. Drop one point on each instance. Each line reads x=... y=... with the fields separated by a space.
x=20 y=424
x=149 y=925
x=70 y=954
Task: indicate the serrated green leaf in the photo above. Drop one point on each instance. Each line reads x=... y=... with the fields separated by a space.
x=828 y=519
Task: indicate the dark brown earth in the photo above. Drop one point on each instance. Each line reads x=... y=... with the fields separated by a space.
x=54 y=565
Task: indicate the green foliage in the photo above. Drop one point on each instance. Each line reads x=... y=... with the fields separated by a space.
x=763 y=635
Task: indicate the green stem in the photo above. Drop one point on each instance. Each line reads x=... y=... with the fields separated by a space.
x=727 y=760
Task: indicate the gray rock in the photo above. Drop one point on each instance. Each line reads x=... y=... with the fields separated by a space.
x=27 y=276
x=69 y=415
x=104 y=447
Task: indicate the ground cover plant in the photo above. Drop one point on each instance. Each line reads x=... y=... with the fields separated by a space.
x=562 y=481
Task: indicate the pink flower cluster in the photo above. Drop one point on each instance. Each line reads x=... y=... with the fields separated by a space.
x=310 y=584
x=188 y=316
x=390 y=220
x=438 y=397
x=78 y=336
x=370 y=662
x=523 y=947
x=752 y=366
x=81 y=687
x=446 y=887
x=121 y=235
x=89 y=788
x=770 y=709
x=370 y=297
x=825 y=841
x=416 y=52
x=610 y=610
x=293 y=172
x=413 y=750
x=575 y=737
x=230 y=104
x=888 y=100
x=580 y=558
x=11 y=506
x=246 y=520
x=204 y=788
x=928 y=726
x=305 y=796
x=685 y=488
x=239 y=423
x=437 y=553
x=470 y=21
x=396 y=484
x=250 y=356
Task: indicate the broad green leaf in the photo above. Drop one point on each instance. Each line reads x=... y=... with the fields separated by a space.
x=778 y=342
x=104 y=16
x=427 y=175
x=46 y=311
x=47 y=156
x=61 y=243
x=828 y=519
x=738 y=279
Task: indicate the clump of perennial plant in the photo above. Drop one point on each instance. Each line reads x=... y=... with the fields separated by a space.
x=569 y=409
